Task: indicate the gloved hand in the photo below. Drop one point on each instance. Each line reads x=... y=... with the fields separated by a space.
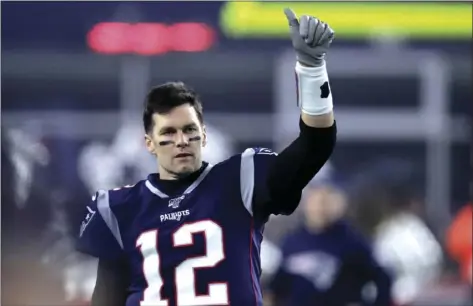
x=310 y=37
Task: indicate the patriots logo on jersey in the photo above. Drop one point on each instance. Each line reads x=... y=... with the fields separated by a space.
x=90 y=215
x=317 y=267
x=174 y=203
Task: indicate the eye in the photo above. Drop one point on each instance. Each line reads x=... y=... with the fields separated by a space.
x=190 y=129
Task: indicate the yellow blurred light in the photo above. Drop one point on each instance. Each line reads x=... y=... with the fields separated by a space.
x=351 y=19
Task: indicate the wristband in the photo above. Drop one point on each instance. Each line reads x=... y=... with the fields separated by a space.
x=314 y=96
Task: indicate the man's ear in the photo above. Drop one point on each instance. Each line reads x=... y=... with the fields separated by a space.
x=204 y=136
x=150 y=144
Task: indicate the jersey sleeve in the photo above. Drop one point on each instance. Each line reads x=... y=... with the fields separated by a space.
x=99 y=234
x=254 y=169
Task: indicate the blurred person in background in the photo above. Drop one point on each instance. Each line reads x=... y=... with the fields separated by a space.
x=387 y=209
x=326 y=261
x=459 y=241
x=26 y=199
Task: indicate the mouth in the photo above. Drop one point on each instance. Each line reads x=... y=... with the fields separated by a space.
x=183 y=155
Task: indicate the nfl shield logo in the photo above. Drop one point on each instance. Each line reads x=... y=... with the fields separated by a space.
x=174 y=203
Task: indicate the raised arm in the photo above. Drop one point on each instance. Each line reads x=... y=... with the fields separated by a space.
x=289 y=172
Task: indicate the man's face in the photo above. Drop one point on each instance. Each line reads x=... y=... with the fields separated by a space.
x=324 y=205
x=176 y=140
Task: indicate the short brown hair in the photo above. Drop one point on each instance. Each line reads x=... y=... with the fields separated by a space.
x=163 y=98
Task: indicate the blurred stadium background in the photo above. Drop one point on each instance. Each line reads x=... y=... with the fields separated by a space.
x=74 y=75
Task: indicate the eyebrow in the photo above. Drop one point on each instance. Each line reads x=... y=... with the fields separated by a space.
x=172 y=129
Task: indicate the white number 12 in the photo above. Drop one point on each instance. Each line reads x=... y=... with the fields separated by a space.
x=184 y=273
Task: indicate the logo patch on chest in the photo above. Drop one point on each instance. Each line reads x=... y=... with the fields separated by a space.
x=174 y=203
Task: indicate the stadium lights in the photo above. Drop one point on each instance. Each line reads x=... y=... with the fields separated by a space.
x=149 y=38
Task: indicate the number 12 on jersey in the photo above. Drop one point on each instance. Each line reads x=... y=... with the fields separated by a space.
x=184 y=281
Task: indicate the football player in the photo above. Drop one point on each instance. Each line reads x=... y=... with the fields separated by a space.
x=326 y=261
x=191 y=234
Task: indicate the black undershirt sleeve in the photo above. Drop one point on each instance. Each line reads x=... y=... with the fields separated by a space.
x=112 y=282
x=294 y=168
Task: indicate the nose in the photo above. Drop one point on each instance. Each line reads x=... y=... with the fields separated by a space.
x=182 y=139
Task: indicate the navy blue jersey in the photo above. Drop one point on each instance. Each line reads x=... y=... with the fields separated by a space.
x=329 y=268
x=199 y=246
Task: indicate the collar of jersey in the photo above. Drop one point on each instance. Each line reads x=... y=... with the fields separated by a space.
x=154 y=188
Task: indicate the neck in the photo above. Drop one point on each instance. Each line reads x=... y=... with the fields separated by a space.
x=171 y=176
x=168 y=175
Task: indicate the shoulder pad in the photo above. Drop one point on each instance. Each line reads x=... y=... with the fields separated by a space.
x=124 y=194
